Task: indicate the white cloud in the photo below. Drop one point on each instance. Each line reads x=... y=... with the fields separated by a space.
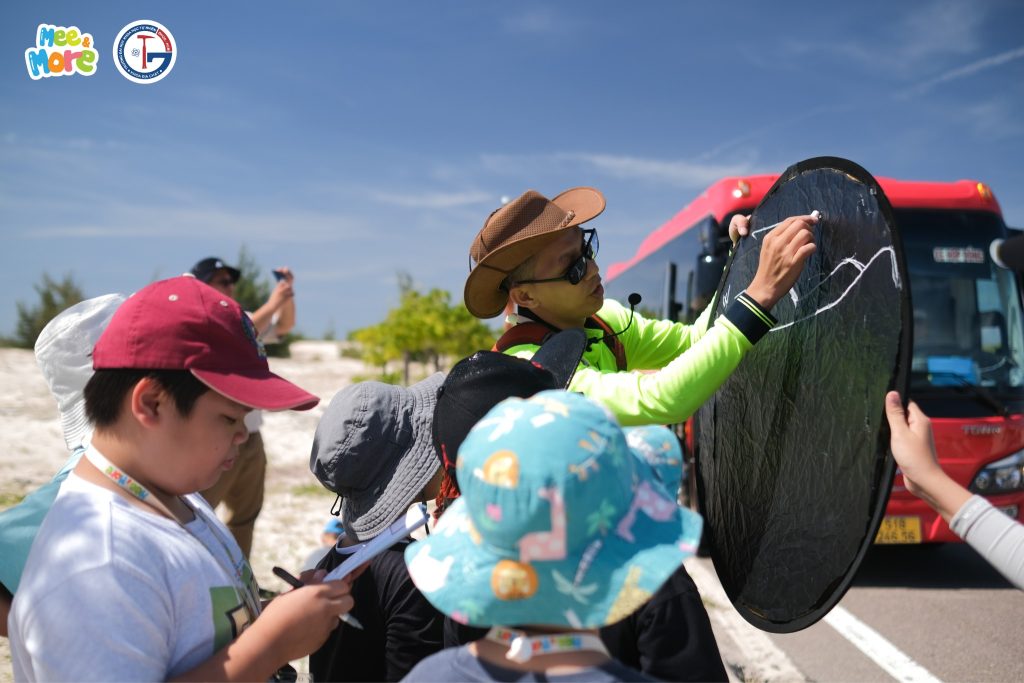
x=680 y=173
x=534 y=21
x=673 y=172
x=994 y=120
x=914 y=41
x=944 y=27
x=433 y=200
x=209 y=223
x=968 y=70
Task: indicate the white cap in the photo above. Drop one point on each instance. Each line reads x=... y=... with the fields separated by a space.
x=64 y=354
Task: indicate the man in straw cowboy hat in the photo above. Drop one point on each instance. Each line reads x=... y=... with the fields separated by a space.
x=533 y=253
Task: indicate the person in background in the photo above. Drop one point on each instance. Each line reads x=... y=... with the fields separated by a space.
x=997 y=537
x=329 y=536
x=132 y=576
x=63 y=352
x=560 y=530
x=241 y=488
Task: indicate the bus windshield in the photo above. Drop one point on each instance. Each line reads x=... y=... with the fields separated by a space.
x=967 y=310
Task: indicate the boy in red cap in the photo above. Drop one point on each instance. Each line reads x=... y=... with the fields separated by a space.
x=131 y=576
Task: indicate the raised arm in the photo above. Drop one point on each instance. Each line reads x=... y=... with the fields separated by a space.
x=997 y=537
x=279 y=310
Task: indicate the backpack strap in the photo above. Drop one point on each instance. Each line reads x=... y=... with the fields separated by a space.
x=537 y=333
x=612 y=342
x=523 y=333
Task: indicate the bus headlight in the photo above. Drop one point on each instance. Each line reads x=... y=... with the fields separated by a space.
x=1001 y=476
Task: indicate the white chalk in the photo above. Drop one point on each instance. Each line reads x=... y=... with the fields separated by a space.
x=815 y=214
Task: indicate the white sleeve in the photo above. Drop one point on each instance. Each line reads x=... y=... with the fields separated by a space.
x=998 y=538
x=100 y=625
x=270 y=335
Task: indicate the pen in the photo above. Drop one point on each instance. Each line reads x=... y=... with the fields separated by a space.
x=295 y=583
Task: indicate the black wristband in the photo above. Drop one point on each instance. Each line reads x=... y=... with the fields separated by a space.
x=750 y=317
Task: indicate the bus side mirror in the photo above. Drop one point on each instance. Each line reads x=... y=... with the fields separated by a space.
x=709 y=272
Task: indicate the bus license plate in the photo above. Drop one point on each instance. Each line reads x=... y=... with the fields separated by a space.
x=899 y=530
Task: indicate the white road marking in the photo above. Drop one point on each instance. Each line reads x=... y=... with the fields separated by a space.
x=878 y=649
x=761 y=660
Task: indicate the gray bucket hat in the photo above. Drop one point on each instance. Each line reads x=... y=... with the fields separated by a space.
x=373 y=447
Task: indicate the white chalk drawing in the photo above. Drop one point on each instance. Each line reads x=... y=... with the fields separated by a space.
x=726 y=297
x=765 y=229
x=851 y=261
x=792 y=292
x=861 y=268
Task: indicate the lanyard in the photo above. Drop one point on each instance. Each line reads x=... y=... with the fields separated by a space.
x=522 y=648
x=235 y=572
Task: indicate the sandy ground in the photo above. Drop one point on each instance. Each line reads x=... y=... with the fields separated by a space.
x=296 y=506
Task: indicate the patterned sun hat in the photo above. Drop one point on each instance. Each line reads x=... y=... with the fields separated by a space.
x=559 y=522
x=659 y=447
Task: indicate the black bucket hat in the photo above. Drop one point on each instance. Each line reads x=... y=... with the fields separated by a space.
x=478 y=383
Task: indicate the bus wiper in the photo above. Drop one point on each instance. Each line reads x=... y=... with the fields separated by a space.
x=981 y=393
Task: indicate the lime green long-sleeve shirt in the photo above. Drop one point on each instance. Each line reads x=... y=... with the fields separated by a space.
x=672 y=368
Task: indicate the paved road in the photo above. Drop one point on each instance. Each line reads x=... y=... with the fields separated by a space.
x=914 y=613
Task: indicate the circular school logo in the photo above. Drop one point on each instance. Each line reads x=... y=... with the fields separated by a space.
x=144 y=51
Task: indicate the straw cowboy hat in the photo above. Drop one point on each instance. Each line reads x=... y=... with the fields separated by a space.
x=514 y=233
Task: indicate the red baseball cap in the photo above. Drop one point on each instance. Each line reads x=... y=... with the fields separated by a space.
x=185 y=324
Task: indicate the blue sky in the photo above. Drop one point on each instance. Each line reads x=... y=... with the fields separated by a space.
x=352 y=141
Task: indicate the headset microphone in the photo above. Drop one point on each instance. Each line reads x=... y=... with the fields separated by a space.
x=634 y=301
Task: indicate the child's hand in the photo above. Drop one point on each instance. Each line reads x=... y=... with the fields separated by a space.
x=299 y=621
x=912 y=444
x=913 y=448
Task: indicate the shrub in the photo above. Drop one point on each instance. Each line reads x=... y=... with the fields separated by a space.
x=54 y=297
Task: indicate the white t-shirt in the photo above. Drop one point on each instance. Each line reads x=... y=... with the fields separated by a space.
x=112 y=592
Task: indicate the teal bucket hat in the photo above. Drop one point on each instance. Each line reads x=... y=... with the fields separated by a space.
x=559 y=523
x=659 y=447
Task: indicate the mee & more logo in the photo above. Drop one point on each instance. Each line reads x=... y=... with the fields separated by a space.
x=61 y=51
x=144 y=51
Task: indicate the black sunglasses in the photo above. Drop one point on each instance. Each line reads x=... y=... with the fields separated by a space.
x=578 y=270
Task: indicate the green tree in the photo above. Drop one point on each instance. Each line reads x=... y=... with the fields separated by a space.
x=424 y=327
x=253 y=287
x=54 y=297
x=375 y=347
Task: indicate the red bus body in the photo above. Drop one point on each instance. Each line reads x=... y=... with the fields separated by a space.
x=967 y=439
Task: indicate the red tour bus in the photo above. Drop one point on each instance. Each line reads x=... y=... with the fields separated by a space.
x=967 y=371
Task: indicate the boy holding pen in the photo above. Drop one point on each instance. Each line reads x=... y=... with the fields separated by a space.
x=132 y=576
